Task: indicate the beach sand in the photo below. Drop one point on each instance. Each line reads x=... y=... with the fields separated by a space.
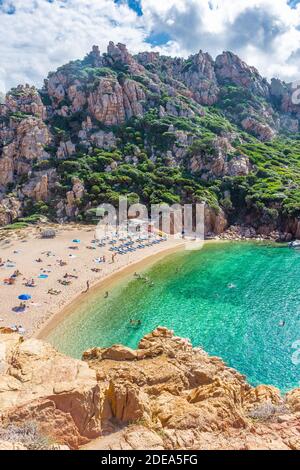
x=24 y=247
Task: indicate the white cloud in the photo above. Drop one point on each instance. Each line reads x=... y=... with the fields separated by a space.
x=263 y=32
x=42 y=35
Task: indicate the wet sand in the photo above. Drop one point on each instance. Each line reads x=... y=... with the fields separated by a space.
x=44 y=311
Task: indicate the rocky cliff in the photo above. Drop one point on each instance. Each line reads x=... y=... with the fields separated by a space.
x=164 y=395
x=161 y=129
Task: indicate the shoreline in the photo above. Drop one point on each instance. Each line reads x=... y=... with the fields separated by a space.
x=109 y=281
x=21 y=250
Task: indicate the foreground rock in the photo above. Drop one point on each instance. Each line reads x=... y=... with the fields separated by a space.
x=39 y=385
x=158 y=128
x=164 y=395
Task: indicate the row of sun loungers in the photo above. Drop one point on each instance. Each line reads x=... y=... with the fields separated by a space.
x=130 y=246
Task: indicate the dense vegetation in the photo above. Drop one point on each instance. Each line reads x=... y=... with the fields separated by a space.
x=142 y=165
x=273 y=183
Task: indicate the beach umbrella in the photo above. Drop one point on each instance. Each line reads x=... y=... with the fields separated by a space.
x=24 y=297
x=76 y=241
x=43 y=276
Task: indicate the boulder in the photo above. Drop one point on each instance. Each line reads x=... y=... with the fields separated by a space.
x=112 y=103
x=293 y=399
x=172 y=396
x=26 y=99
x=10 y=210
x=60 y=394
x=119 y=353
x=230 y=68
x=126 y=402
x=262 y=131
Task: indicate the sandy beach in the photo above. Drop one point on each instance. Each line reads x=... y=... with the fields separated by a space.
x=62 y=267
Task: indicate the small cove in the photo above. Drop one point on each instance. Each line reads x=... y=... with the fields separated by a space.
x=229 y=298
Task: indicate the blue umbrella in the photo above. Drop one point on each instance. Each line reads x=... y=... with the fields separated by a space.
x=24 y=297
x=76 y=241
x=43 y=276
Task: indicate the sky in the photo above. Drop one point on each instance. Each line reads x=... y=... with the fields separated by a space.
x=37 y=36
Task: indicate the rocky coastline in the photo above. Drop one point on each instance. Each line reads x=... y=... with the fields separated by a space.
x=241 y=232
x=164 y=395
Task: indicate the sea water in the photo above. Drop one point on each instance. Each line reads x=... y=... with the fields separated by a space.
x=239 y=301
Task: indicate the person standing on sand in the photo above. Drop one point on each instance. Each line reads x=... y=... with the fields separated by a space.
x=87 y=287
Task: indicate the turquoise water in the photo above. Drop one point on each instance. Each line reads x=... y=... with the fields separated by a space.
x=228 y=298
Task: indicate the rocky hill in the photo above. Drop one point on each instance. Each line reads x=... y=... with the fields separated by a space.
x=164 y=395
x=156 y=128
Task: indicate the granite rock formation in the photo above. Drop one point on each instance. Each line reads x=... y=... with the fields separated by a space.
x=117 y=122
x=164 y=395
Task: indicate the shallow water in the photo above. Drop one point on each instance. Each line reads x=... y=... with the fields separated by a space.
x=229 y=298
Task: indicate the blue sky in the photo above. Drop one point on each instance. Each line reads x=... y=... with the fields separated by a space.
x=293 y=3
x=37 y=36
x=134 y=5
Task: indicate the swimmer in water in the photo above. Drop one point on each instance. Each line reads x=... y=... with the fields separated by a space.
x=282 y=323
x=135 y=322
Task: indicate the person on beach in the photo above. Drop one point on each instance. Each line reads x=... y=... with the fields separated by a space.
x=16 y=273
x=87 y=287
x=113 y=257
x=106 y=295
x=54 y=292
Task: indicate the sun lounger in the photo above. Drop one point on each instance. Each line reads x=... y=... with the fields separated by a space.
x=54 y=292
